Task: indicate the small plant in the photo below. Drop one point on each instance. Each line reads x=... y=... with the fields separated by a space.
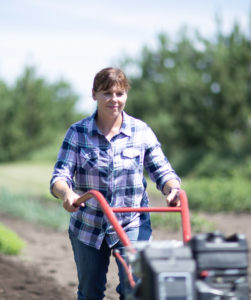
x=10 y=242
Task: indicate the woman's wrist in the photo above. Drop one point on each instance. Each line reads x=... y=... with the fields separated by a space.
x=173 y=188
x=168 y=188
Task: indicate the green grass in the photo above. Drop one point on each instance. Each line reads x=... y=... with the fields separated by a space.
x=10 y=242
x=219 y=194
x=30 y=178
x=171 y=222
x=216 y=194
x=34 y=209
x=31 y=200
x=51 y=213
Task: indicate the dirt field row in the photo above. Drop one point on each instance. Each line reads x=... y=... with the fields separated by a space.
x=45 y=269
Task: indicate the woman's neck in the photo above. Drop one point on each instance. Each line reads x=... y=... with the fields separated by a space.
x=109 y=126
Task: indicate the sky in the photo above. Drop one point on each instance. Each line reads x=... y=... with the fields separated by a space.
x=74 y=39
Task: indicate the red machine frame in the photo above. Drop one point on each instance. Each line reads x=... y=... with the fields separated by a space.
x=110 y=213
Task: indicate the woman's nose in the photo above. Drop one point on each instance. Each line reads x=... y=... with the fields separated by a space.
x=113 y=96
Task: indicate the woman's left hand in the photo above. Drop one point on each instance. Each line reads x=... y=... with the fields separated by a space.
x=172 y=198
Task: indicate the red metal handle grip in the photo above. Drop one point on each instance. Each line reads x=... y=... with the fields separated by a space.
x=185 y=217
x=109 y=211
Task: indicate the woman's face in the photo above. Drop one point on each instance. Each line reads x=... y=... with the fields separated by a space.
x=111 y=102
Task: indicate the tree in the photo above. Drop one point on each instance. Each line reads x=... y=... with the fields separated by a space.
x=194 y=97
x=33 y=111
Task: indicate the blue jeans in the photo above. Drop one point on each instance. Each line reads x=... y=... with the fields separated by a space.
x=92 y=264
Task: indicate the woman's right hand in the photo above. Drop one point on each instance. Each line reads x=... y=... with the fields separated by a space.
x=69 y=200
x=69 y=197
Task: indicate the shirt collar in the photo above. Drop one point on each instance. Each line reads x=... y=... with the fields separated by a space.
x=125 y=127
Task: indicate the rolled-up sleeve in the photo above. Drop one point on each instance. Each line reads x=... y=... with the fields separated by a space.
x=156 y=163
x=65 y=166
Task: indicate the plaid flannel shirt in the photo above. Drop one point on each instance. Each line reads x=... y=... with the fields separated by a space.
x=87 y=160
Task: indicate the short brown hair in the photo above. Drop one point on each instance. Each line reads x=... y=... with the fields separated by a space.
x=109 y=77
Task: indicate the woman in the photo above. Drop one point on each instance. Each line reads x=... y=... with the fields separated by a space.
x=108 y=152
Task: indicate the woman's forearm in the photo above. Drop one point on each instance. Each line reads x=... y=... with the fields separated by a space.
x=60 y=189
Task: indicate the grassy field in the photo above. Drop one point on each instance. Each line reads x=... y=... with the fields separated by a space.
x=31 y=178
x=24 y=192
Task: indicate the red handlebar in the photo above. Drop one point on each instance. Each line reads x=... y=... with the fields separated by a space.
x=109 y=212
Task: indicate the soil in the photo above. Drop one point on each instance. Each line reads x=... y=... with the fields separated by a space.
x=45 y=269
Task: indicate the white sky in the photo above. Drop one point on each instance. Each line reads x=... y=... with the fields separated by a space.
x=74 y=39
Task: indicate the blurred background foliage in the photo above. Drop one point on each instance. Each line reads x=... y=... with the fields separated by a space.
x=196 y=95
x=33 y=111
x=194 y=92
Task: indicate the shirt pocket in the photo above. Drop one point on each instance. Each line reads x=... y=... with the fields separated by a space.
x=130 y=159
x=88 y=158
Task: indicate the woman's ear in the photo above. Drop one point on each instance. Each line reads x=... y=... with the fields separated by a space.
x=93 y=95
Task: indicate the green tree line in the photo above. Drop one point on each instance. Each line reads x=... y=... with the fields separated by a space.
x=194 y=92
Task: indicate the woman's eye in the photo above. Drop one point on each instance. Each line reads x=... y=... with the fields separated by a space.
x=109 y=94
